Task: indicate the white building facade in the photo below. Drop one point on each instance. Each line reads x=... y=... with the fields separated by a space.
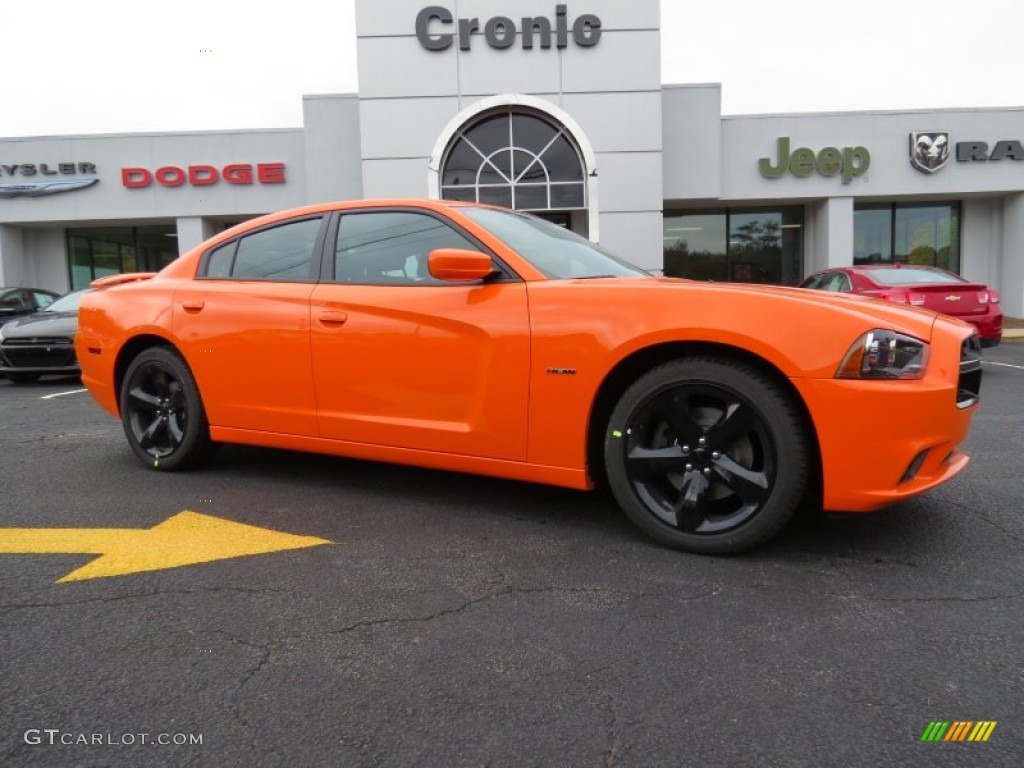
x=556 y=108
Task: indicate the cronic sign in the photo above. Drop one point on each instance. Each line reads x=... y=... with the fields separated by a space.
x=437 y=28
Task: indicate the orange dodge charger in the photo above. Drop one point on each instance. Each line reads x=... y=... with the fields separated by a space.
x=482 y=340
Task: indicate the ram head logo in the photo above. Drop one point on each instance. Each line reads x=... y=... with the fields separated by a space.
x=929 y=150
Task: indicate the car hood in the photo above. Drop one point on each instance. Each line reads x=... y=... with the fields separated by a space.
x=906 y=319
x=42 y=324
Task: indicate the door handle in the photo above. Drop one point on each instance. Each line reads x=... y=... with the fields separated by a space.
x=193 y=306
x=333 y=318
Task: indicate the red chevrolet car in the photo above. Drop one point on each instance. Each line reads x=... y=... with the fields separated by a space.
x=920 y=286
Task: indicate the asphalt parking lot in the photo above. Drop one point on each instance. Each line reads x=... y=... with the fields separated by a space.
x=455 y=620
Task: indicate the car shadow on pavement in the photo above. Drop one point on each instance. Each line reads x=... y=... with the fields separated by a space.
x=896 y=534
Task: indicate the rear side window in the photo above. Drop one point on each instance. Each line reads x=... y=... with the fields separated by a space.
x=219 y=262
x=282 y=253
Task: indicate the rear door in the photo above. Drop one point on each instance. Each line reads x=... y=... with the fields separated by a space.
x=243 y=325
x=405 y=360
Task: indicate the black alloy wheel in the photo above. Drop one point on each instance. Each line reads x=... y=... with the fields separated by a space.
x=708 y=455
x=162 y=413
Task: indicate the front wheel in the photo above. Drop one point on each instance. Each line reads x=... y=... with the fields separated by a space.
x=708 y=455
x=162 y=413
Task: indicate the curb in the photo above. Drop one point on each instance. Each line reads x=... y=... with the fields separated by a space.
x=1013 y=333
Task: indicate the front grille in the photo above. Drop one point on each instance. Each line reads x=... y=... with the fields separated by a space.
x=969 y=385
x=35 y=341
x=38 y=357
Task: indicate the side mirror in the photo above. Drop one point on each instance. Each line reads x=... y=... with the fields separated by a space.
x=458 y=264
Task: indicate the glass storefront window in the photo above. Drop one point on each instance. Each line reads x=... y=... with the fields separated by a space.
x=95 y=252
x=872 y=234
x=694 y=246
x=747 y=245
x=79 y=261
x=917 y=233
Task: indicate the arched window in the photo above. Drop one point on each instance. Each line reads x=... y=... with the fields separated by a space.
x=514 y=159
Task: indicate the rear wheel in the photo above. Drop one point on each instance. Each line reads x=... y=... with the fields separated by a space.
x=708 y=455
x=162 y=413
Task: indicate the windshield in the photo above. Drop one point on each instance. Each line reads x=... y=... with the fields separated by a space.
x=68 y=303
x=911 y=276
x=555 y=251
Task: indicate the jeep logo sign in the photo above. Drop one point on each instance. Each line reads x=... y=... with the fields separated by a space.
x=846 y=163
x=436 y=29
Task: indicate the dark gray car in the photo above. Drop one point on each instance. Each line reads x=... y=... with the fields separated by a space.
x=42 y=343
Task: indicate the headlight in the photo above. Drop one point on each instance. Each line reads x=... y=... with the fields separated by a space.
x=880 y=354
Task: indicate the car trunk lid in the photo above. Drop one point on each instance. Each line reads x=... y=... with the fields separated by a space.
x=960 y=300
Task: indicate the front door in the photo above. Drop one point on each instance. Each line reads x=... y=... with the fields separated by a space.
x=405 y=360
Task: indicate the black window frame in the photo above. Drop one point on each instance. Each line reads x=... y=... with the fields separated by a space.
x=503 y=273
x=316 y=257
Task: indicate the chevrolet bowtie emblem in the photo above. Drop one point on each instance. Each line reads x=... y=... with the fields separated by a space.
x=952 y=297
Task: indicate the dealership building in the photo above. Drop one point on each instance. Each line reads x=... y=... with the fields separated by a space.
x=555 y=108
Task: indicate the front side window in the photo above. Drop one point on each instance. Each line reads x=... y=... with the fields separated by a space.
x=43 y=300
x=392 y=247
x=836 y=281
x=19 y=301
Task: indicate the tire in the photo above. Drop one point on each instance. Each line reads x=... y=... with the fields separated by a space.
x=708 y=455
x=23 y=378
x=162 y=412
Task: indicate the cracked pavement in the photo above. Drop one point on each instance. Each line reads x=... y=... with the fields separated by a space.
x=465 y=621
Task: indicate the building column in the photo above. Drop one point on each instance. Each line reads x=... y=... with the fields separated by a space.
x=830 y=234
x=12 y=256
x=1011 y=286
x=193 y=230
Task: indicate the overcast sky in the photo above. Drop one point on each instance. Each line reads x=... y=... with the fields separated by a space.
x=128 y=65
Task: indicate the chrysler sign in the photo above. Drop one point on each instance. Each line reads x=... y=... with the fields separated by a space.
x=37 y=179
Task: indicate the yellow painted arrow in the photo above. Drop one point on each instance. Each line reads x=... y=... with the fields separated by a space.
x=185 y=539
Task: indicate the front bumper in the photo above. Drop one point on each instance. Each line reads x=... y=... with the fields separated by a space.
x=38 y=357
x=886 y=441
